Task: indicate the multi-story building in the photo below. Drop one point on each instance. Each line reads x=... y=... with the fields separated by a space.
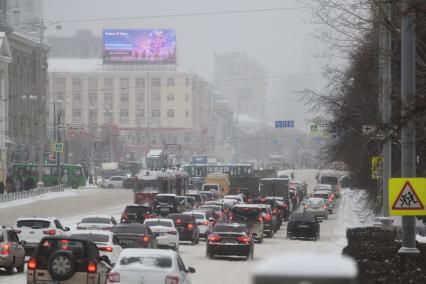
x=22 y=14
x=128 y=110
x=241 y=80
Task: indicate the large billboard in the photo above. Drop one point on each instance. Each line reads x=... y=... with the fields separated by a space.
x=140 y=46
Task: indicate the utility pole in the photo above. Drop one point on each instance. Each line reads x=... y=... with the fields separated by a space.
x=408 y=124
x=385 y=63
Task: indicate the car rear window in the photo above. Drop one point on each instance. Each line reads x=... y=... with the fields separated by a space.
x=228 y=229
x=329 y=180
x=196 y=197
x=183 y=217
x=246 y=213
x=33 y=224
x=215 y=208
x=96 y=220
x=152 y=223
x=128 y=229
x=209 y=187
x=146 y=263
x=96 y=238
x=47 y=247
x=321 y=195
x=315 y=201
x=302 y=217
x=136 y=209
x=165 y=199
x=198 y=216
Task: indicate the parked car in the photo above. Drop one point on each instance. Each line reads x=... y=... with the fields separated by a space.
x=114 y=182
x=251 y=216
x=165 y=232
x=186 y=226
x=62 y=259
x=150 y=266
x=204 y=224
x=230 y=239
x=303 y=225
x=12 y=252
x=33 y=229
x=317 y=206
x=137 y=213
x=135 y=235
x=96 y=222
x=107 y=243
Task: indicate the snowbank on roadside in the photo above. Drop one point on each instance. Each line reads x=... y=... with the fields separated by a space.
x=47 y=196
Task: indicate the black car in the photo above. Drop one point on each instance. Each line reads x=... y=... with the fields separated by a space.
x=72 y=260
x=135 y=235
x=186 y=226
x=229 y=240
x=137 y=213
x=303 y=225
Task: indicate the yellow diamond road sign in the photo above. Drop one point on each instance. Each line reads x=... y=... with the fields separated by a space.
x=407 y=196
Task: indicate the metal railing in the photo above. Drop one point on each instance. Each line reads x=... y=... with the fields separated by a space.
x=30 y=193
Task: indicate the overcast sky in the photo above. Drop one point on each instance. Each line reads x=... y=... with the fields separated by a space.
x=282 y=41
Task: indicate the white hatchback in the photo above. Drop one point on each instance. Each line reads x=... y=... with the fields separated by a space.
x=150 y=266
x=97 y=222
x=165 y=232
x=114 y=181
x=107 y=243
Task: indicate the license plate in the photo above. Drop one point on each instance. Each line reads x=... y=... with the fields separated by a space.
x=303 y=226
x=164 y=210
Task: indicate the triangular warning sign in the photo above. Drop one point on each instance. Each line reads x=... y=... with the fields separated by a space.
x=407 y=199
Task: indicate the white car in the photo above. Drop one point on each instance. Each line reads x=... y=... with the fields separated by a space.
x=204 y=225
x=150 y=266
x=107 y=243
x=33 y=229
x=165 y=231
x=96 y=222
x=237 y=197
x=114 y=181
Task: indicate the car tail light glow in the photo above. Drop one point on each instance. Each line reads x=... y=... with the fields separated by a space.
x=91 y=267
x=172 y=280
x=178 y=221
x=190 y=227
x=114 y=277
x=5 y=249
x=32 y=264
x=50 y=232
x=106 y=249
x=214 y=238
x=325 y=206
x=125 y=216
x=260 y=218
x=267 y=217
x=172 y=232
x=244 y=239
x=146 y=239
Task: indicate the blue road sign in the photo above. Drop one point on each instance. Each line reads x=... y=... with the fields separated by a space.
x=284 y=124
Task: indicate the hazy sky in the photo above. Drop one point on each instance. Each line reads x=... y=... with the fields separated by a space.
x=280 y=40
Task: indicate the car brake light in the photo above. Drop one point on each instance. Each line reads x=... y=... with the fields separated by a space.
x=268 y=217
x=5 y=249
x=91 y=267
x=205 y=222
x=172 y=280
x=172 y=232
x=325 y=206
x=214 y=238
x=32 y=264
x=243 y=239
x=306 y=206
x=146 y=239
x=50 y=232
x=114 y=277
x=190 y=227
x=106 y=249
x=260 y=218
x=178 y=221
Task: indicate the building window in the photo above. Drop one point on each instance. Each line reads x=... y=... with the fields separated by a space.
x=108 y=84
x=156 y=113
x=124 y=98
x=92 y=116
x=140 y=113
x=140 y=83
x=124 y=115
x=156 y=98
x=186 y=81
x=187 y=97
x=170 y=97
x=124 y=84
x=60 y=83
x=60 y=97
x=93 y=84
x=108 y=115
x=140 y=99
x=156 y=82
x=76 y=115
x=93 y=98
x=108 y=101
x=76 y=83
x=170 y=113
x=186 y=113
x=170 y=82
x=76 y=99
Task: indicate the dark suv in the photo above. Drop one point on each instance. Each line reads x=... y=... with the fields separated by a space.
x=12 y=252
x=136 y=213
x=187 y=226
x=73 y=260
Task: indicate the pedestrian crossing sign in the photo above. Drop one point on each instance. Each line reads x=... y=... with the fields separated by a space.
x=407 y=196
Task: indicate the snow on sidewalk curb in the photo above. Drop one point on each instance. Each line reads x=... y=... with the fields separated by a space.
x=47 y=196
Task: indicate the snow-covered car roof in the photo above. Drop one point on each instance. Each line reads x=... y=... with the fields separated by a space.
x=37 y=218
x=92 y=232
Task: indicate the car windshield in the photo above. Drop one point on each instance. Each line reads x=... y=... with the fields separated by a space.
x=96 y=220
x=136 y=209
x=153 y=223
x=48 y=246
x=96 y=238
x=128 y=229
x=246 y=213
x=228 y=229
x=146 y=262
x=208 y=187
x=329 y=180
x=33 y=224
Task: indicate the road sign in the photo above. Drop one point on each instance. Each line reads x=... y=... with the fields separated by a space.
x=59 y=148
x=52 y=144
x=284 y=124
x=376 y=167
x=407 y=196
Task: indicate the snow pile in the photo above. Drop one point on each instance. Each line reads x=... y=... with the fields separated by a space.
x=47 y=196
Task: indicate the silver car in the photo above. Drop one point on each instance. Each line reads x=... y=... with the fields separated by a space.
x=317 y=206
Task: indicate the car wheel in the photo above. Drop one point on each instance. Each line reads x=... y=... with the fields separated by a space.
x=11 y=268
x=209 y=255
x=269 y=234
x=21 y=267
x=252 y=253
x=110 y=186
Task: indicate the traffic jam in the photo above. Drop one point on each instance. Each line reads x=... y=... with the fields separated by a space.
x=231 y=212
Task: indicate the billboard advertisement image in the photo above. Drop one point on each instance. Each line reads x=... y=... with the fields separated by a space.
x=140 y=46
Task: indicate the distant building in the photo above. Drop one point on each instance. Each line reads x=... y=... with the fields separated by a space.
x=22 y=14
x=81 y=45
x=241 y=81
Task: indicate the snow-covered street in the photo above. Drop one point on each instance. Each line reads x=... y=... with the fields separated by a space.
x=72 y=207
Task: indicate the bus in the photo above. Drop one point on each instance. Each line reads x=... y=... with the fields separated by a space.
x=75 y=173
x=202 y=170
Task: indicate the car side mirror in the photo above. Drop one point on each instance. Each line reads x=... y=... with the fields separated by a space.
x=66 y=229
x=191 y=270
x=106 y=259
